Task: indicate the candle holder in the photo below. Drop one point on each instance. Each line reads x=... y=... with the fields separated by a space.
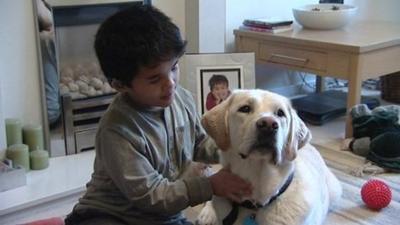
x=39 y=159
x=19 y=154
x=33 y=136
x=13 y=131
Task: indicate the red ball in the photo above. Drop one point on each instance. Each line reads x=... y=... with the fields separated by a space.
x=376 y=194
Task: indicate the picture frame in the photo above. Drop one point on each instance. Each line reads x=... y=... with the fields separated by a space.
x=229 y=71
x=205 y=75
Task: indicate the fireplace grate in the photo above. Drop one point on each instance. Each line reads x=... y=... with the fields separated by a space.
x=80 y=119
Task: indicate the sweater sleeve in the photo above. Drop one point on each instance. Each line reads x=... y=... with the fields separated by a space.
x=134 y=175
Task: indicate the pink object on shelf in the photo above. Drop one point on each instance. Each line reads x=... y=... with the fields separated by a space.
x=48 y=221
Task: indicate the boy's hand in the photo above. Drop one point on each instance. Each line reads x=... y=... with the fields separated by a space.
x=217 y=98
x=228 y=185
x=222 y=96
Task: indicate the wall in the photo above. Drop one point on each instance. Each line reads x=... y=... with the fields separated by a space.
x=382 y=10
x=205 y=26
x=3 y=143
x=174 y=9
x=20 y=92
x=20 y=86
x=212 y=17
x=192 y=25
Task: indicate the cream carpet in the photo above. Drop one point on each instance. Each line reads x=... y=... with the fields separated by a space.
x=351 y=210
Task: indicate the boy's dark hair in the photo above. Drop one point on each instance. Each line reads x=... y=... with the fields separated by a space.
x=139 y=36
x=217 y=79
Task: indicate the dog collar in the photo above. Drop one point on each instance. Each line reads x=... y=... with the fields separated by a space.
x=232 y=216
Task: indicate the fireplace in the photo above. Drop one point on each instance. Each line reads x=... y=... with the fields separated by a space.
x=76 y=92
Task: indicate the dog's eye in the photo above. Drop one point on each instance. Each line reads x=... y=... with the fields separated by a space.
x=245 y=109
x=280 y=113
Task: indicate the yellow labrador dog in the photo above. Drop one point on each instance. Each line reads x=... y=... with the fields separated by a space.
x=264 y=141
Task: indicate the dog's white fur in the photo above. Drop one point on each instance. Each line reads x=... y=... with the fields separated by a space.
x=233 y=126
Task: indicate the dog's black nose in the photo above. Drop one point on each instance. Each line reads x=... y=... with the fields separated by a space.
x=267 y=125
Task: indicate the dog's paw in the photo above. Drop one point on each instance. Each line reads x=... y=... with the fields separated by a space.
x=207 y=216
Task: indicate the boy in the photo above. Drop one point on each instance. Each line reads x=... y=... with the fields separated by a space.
x=150 y=133
x=219 y=90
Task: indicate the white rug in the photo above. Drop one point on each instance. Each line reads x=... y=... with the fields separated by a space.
x=351 y=210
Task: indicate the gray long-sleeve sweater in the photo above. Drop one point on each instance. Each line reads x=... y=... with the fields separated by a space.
x=139 y=156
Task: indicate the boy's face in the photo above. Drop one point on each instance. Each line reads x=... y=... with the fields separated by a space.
x=155 y=86
x=220 y=91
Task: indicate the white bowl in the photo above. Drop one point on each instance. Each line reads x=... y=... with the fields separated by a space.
x=324 y=16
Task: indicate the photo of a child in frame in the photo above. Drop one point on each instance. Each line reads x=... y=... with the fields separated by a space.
x=216 y=85
x=219 y=90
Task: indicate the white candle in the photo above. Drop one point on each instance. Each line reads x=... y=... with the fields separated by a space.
x=13 y=131
x=19 y=154
x=33 y=136
x=39 y=159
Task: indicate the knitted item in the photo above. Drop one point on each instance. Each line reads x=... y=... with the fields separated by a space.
x=381 y=128
x=385 y=151
x=363 y=110
x=367 y=169
x=387 y=145
x=375 y=124
x=388 y=108
x=360 y=110
x=345 y=145
x=367 y=123
x=360 y=146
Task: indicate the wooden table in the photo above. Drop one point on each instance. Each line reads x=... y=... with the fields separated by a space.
x=357 y=52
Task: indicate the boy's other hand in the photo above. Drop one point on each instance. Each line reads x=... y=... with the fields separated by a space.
x=216 y=96
x=228 y=185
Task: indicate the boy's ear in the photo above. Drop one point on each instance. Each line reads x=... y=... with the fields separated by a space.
x=117 y=85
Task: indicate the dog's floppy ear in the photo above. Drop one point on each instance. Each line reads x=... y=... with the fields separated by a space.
x=299 y=135
x=215 y=122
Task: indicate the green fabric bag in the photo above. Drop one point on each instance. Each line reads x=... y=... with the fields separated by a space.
x=385 y=151
x=375 y=124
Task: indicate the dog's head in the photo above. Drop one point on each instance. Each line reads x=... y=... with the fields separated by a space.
x=257 y=124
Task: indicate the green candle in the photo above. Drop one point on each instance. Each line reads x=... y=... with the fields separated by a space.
x=33 y=136
x=39 y=159
x=19 y=154
x=13 y=131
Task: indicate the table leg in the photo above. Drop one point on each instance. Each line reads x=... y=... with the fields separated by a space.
x=321 y=86
x=353 y=98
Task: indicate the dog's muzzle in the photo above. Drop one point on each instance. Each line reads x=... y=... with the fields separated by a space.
x=267 y=129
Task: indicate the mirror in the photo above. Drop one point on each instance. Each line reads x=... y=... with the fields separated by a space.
x=75 y=93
